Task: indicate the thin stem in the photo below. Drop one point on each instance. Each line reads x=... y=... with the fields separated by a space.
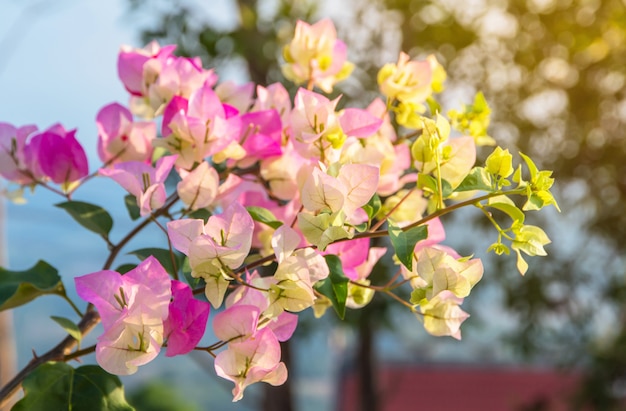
x=116 y=250
x=400 y=300
x=409 y=136
x=439 y=180
x=295 y=219
x=382 y=221
x=438 y=213
x=393 y=279
x=169 y=245
x=95 y=173
x=501 y=232
x=80 y=353
x=206 y=349
x=54 y=190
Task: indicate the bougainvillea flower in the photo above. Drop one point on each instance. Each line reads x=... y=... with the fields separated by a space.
x=186 y=322
x=316 y=56
x=153 y=76
x=132 y=308
x=120 y=139
x=352 y=188
x=356 y=122
x=243 y=322
x=58 y=155
x=408 y=81
x=276 y=97
x=260 y=136
x=198 y=188
x=236 y=323
x=235 y=95
x=215 y=248
x=256 y=359
x=12 y=162
x=146 y=183
x=131 y=61
x=378 y=150
x=442 y=315
x=281 y=173
x=199 y=127
x=435 y=271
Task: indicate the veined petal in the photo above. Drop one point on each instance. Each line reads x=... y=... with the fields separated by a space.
x=236 y=323
x=186 y=322
x=183 y=232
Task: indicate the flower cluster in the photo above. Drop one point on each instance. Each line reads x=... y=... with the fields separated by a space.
x=281 y=199
x=137 y=315
x=28 y=156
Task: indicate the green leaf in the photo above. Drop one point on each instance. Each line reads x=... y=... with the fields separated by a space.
x=263 y=215
x=335 y=286
x=510 y=209
x=124 y=268
x=130 y=201
x=433 y=105
x=69 y=326
x=332 y=234
x=360 y=227
x=477 y=179
x=373 y=206
x=163 y=256
x=532 y=168
x=59 y=387
x=429 y=183
x=404 y=242
x=313 y=226
x=92 y=217
x=194 y=282
x=20 y=287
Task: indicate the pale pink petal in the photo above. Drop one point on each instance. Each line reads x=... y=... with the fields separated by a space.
x=236 y=323
x=183 y=232
x=322 y=192
x=151 y=199
x=199 y=187
x=99 y=289
x=436 y=234
x=129 y=175
x=151 y=275
x=284 y=325
x=360 y=123
x=177 y=106
x=285 y=241
x=205 y=104
x=361 y=182
x=163 y=167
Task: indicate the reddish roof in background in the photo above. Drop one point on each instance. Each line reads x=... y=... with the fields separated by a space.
x=464 y=388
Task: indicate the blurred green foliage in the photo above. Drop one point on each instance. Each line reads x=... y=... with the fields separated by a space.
x=158 y=396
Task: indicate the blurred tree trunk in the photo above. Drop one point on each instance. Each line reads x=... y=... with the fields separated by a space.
x=7 y=343
x=280 y=398
x=366 y=364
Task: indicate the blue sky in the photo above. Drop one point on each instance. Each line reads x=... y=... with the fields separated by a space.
x=59 y=63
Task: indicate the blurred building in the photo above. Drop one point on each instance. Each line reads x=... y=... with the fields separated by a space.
x=437 y=387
